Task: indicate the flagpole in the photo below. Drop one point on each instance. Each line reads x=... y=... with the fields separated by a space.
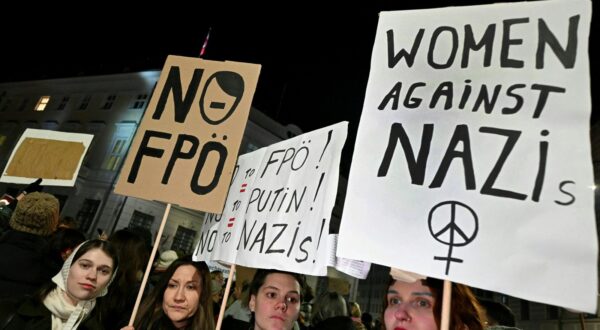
x=203 y=49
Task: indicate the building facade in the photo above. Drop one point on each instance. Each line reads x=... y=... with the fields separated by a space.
x=109 y=107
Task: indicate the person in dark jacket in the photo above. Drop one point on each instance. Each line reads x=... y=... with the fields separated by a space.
x=26 y=263
x=67 y=301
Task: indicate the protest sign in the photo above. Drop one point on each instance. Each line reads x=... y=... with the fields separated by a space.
x=54 y=156
x=279 y=206
x=185 y=149
x=354 y=268
x=472 y=161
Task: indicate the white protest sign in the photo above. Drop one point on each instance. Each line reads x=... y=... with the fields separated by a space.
x=355 y=268
x=472 y=160
x=279 y=205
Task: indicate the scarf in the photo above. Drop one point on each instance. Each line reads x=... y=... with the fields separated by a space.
x=64 y=315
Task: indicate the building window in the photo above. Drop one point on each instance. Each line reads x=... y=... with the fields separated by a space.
x=183 y=240
x=109 y=102
x=2 y=140
x=31 y=124
x=6 y=105
x=140 y=101
x=85 y=102
x=86 y=214
x=23 y=104
x=140 y=219
x=72 y=126
x=50 y=125
x=63 y=103
x=116 y=154
x=42 y=103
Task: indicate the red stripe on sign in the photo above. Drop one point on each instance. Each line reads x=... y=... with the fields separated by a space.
x=230 y=225
x=231 y=219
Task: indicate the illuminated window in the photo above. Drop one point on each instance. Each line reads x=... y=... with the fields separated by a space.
x=113 y=160
x=42 y=103
x=2 y=140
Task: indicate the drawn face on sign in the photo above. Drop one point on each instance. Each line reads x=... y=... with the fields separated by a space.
x=221 y=96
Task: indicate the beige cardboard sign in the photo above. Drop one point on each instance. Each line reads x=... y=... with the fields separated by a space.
x=53 y=156
x=186 y=147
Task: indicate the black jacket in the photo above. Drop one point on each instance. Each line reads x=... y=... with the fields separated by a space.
x=25 y=264
x=31 y=314
x=335 y=323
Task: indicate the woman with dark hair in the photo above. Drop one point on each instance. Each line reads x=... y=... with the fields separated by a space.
x=180 y=300
x=66 y=302
x=418 y=306
x=117 y=306
x=275 y=299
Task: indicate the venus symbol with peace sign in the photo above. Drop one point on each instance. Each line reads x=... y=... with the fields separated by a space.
x=454 y=224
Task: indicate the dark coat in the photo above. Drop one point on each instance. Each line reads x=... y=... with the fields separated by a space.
x=25 y=264
x=31 y=314
x=335 y=323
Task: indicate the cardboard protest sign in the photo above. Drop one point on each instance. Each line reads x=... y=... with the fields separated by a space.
x=279 y=206
x=53 y=156
x=185 y=149
x=472 y=161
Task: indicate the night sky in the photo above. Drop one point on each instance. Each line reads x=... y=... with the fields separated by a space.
x=315 y=61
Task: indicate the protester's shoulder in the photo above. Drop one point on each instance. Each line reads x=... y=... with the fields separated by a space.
x=22 y=312
x=24 y=239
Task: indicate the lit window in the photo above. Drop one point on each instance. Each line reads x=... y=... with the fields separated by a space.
x=113 y=159
x=2 y=140
x=42 y=103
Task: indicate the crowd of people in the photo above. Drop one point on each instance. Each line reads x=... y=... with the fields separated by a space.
x=53 y=278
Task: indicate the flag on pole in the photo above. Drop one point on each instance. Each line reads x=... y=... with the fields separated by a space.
x=203 y=50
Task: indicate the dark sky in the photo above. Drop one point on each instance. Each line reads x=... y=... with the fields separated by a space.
x=315 y=61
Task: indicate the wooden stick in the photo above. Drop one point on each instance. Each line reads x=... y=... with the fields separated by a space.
x=445 y=324
x=225 y=297
x=582 y=321
x=149 y=266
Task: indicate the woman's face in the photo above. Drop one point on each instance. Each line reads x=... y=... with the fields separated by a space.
x=410 y=307
x=88 y=276
x=182 y=295
x=276 y=305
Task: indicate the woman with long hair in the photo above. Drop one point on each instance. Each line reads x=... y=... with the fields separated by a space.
x=418 y=306
x=180 y=300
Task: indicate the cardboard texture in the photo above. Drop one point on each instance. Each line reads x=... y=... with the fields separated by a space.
x=33 y=152
x=53 y=156
x=186 y=147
